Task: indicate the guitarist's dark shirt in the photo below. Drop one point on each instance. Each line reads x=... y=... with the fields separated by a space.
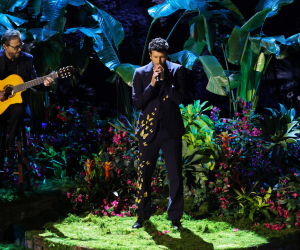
x=10 y=67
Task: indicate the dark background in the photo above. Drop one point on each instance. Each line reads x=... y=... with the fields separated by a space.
x=92 y=88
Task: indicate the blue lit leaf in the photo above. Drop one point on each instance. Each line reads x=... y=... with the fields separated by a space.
x=76 y=2
x=185 y=57
x=161 y=10
x=42 y=34
x=34 y=7
x=93 y=33
x=195 y=47
x=9 y=5
x=53 y=12
x=273 y=4
x=233 y=9
x=112 y=29
x=7 y=20
x=20 y=4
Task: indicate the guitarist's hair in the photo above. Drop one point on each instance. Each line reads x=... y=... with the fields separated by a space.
x=8 y=35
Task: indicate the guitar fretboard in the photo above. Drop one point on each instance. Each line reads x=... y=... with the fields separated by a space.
x=32 y=83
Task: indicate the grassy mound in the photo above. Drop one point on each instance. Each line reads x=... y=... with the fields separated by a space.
x=116 y=233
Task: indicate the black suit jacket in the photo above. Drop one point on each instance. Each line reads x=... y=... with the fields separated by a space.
x=25 y=69
x=151 y=101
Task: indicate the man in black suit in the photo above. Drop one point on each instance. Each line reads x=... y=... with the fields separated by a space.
x=160 y=126
x=14 y=61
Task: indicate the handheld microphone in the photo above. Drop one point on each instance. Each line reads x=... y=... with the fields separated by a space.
x=158 y=78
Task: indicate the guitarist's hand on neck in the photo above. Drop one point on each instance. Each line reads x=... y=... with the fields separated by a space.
x=48 y=82
x=2 y=97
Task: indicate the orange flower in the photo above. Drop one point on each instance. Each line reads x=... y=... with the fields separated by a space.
x=88 y=168
x=107 y=166
x=226 y=138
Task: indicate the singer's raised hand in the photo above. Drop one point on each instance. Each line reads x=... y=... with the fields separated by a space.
x=158 y=70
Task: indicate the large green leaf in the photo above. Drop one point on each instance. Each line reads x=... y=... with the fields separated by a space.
x=42 y=34
x=185 y=57
x=269 y=43
x=7 y=21
x=195 y=47
x=274 y=4
x=53 y=12
x=210 y=33
x=237 y=44
x=256 y=21
x=216 y=75
x=197 y=29
x=126 y=71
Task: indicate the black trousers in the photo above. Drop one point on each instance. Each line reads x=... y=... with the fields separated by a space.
x=148 y=154
x=15 y=113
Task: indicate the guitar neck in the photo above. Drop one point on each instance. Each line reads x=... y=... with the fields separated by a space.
x=32 y=83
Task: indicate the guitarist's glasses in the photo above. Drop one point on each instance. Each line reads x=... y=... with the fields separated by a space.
x=16 y=48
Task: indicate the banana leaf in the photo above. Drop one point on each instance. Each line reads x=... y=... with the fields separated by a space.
x=42 y=34
x=269 y=43
x=235 y=80
x=210 y=33
x=112 y=29
x=161 y=10
x=233 y=9
x=197 y=29
x=9 y=5
x=76 y=2
x=53 y=12
x=126 y=71
x=294 y=42
x=274 y=4
x=34 y=7
x=216 y=75
x=93 y=33
x=237 y=44
x=195 y=47
x=7 y=21
x=256 y=21
x=185 y=57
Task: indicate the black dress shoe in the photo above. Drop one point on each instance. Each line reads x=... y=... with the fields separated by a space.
x=138 y=223
x=176 y=224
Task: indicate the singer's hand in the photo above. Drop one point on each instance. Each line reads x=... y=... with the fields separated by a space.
x=157 y=70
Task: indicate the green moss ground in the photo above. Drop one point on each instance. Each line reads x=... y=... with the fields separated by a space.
x=12 y=247
x=116 y=233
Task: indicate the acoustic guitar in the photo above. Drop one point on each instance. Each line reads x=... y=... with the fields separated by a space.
x=14 y=85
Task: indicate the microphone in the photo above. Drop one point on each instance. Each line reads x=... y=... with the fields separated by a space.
x=158 y=78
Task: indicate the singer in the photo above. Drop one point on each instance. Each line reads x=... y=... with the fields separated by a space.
x=158 y=89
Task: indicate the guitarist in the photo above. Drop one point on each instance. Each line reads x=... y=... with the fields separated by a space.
x=14 y=61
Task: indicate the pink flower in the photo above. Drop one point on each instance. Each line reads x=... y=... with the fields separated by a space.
x=228 y=186
x=224 y=120
x=124 y=134
x=235 y=230
x=75 y=200
x=97 y=212
x=133 y=207
x=68 y=195
x=296 y=224
x=110 y=129
x=87 y=197
x=107 y=207
x=80 y=200
x=295 y=195
x=114 y=203
x=122 y=214
x=117 y=215
x=128 y=214
x=79 y=196
x=236 y=113
x=159 y=233
x=166 y=232
x=105 y=213
x=295 y=174
x=278 y=195
x=263 y=191
x=113 y=213
x=128 y=182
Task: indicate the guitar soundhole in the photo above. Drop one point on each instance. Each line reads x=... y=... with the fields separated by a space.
x=8 y=91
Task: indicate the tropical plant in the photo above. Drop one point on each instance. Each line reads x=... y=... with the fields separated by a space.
x=252 y=53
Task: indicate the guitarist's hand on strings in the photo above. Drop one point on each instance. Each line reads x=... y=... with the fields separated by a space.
x=2 y=95
x=48 y=82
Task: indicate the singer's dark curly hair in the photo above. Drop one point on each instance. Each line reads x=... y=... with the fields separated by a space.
x=158 y=44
